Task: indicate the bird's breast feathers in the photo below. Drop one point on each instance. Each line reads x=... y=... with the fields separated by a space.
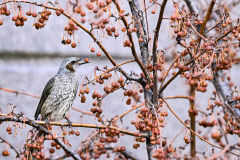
x=61 y=97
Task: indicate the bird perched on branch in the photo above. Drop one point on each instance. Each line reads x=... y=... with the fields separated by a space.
x=60 y=91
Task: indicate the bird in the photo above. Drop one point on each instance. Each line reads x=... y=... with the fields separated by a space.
x=60 y=92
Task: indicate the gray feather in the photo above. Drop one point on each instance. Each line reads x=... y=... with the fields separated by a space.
x=59 y=93
x=46 y=92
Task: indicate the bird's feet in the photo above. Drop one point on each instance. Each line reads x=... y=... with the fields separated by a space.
x=47 y=122
x=68 y=121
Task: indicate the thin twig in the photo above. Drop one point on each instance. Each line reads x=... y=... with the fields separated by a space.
x=109 y=70
x=134 y=53
x=10 y=145
x=201 y=36
x=83 y=112
x=36 y=96
x=79 y=25
x=221 y=153
x=192 y=130
x=174 y=76
x=18 y=92
x=224 y=35
x=128 y=111
x=165 y=76
x=181 y=97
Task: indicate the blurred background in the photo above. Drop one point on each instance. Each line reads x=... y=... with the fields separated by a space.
x=30 y=57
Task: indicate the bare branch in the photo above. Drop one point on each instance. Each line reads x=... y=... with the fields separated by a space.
x=154 y=52
x=128 y=111
x=189 y=4
x=209 y=12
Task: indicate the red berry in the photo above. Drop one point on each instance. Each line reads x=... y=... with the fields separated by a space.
x=58 y=13
x=86 y=60
x=73 y=45
x=92 y=49
x=77 y=133
x=5 y=153
x=98 y=54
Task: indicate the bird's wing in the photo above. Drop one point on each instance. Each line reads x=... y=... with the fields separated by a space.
x=46 y=92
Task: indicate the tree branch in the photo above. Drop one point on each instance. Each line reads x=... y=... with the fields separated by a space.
x=193 y=132
x=189 y=4
x=192 y=122
x=181 y=97
x=134 y=53
x=209 y=12
x=38 y=124
x=79 y=25
x=109 y=70
x=141 y=31
x=128 y=111
x=36 y=96
x=11 y=146
x=154 y=52
x=222 y=86
x=174 y=76
x=4 y=118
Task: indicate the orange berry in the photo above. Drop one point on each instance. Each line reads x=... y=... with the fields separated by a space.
x=73 y=45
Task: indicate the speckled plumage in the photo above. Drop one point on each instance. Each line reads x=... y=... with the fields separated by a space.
x=60 y=92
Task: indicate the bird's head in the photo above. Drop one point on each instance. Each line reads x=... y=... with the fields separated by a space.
x=69 y=65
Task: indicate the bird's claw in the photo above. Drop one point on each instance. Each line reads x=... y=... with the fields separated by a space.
x=68 y=122
x=47 y=122
x=48 y=125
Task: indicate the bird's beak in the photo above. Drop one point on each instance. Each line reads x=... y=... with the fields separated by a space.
x=81 y=61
